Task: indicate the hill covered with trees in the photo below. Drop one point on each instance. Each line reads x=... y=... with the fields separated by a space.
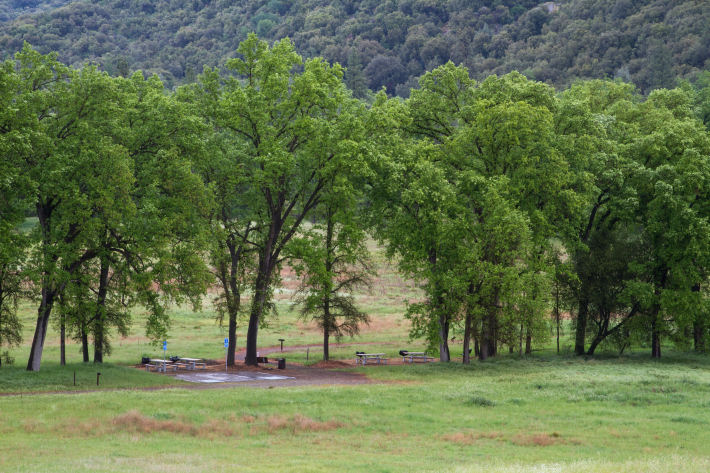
x=383 y=43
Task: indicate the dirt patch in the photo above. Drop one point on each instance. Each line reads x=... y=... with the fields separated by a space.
x=134 y=422
x=298 y=424
x=469 y=438
x=137 y=423
x=537 y=439
x=332 y=364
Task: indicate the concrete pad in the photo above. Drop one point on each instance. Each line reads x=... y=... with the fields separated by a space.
x=215 y=377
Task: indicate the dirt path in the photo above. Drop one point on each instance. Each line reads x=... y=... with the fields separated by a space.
x=301 y=376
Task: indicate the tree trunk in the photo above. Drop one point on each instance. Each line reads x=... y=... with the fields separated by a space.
x=698 y=336
x=581 y=330
x=232 y=336
x=43 y=313
x=476 y=347
x=557 y=313
x=100 y=317
x=62 y=341
x=488 y=329
x=233 y=295
x=698 y=329
x=327 y=322
x=444 y=354
x=655 y=339
x=528 y=343
x=261 y=289
x=84 y=345
x=467 y=331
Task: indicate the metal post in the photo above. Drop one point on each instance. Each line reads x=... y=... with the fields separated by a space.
x=282 y=343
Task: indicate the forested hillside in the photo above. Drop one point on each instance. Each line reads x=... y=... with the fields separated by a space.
x=10 y=9
x=383 y=43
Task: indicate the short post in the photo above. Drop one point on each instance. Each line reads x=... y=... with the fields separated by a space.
x=282 y=343
x=165 y=349
x=226 y=352
x=74 y=377
x=97 y=378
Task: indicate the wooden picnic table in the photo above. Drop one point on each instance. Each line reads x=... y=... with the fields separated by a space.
x=361 y=358
x=160 y=365
x=192 y=363
x=416 y=355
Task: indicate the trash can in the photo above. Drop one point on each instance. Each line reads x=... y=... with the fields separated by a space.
x=281 y=363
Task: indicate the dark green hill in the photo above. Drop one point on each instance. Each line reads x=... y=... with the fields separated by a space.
x=11 y=9
x=385 y=43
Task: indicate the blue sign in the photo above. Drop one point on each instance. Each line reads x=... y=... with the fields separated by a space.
x=226 y=342
x=165 y=345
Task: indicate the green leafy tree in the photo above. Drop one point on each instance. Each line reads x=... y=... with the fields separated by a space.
x=295 y=130
x=332 y=260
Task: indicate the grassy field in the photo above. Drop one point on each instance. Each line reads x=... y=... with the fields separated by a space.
x=544 y=413
x=541 y=414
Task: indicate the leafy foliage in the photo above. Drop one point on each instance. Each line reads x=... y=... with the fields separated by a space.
x=391 y=43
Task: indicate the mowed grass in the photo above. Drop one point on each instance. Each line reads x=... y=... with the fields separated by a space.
x=539 y=415
x=542 y=413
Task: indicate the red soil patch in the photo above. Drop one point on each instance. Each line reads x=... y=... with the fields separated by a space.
x=332 y=364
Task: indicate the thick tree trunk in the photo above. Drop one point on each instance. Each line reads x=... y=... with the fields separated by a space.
x=528 y=343
x=233 y=294
x=100 y=317
x=84 y=345
x=232 y=336
x=444 y=354
x=488 y=329
x=43 y=313
x=261 y=289
x=581 y=329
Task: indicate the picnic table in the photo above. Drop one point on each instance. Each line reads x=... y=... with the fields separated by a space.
x=361 y=358
x=164 y=365
x=415 y=355
x=160 y=365
x=193 y=363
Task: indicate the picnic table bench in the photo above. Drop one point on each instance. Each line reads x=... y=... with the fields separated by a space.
x=361 y=358
x=193 y=363
x=164 y=365
x=160 y=365
x=415 y=355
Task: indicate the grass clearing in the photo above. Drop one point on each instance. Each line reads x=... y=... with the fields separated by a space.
x=553 y=415
x=543 y=413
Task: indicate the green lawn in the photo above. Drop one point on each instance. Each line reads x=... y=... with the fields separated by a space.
x=542 y=414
